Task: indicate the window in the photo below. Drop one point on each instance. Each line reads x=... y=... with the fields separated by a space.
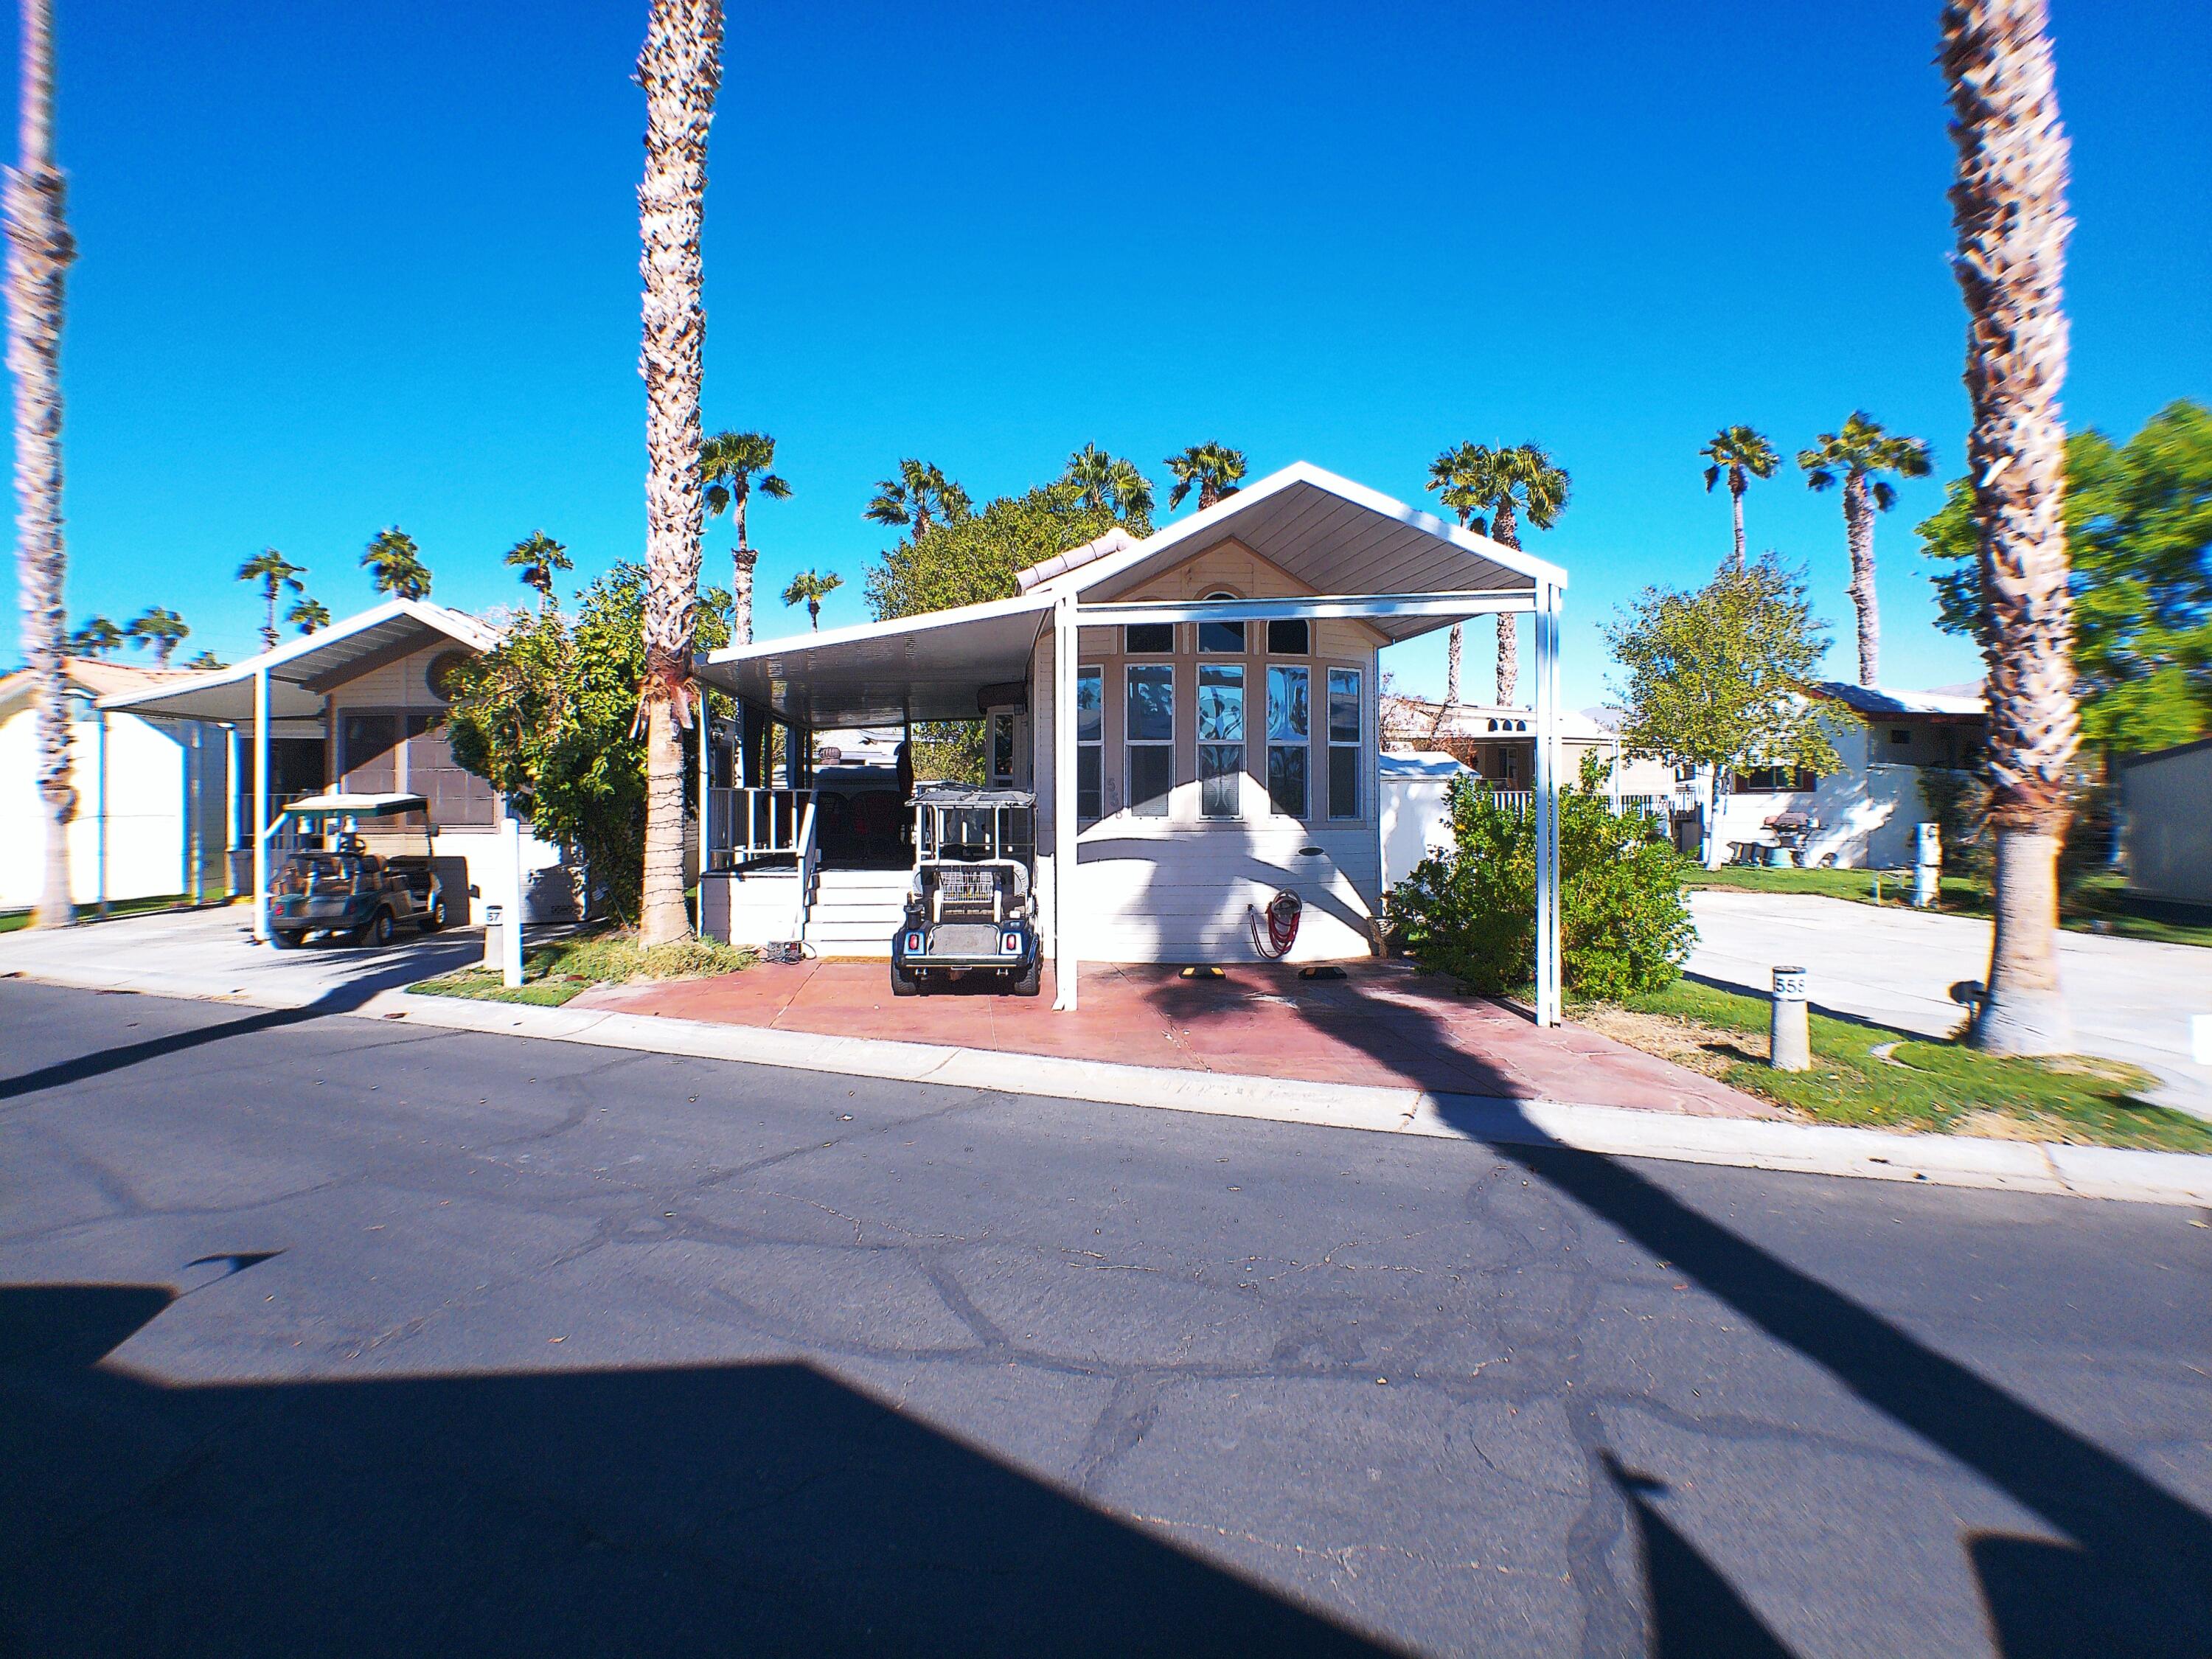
x=368 y=758
x=1900 y=735
x=1220 y=739
x=1288 y=724
x=1775 y=780
x=1002 y=751
x=1149 y=639
x=1291 y=638
x=1090 y=743
x=1221 y=639
x=457 y=798
x=1344 y=742
x=1149 y=736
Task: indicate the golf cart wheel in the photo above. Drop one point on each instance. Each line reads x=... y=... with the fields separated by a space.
x=434 y=918
x=285 y=938
x=377 y=931
x=1028 y=981
x=905 y=983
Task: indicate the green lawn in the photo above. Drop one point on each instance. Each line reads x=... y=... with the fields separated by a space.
x=12 y=920
x=2098 y=904
x=1922 y=1084
x=553 y=972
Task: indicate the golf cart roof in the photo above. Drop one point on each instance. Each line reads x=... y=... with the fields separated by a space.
x=968 y=794
x=357 y=807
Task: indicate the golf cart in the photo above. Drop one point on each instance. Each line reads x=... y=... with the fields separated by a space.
x=970 y=908
x=342 y=887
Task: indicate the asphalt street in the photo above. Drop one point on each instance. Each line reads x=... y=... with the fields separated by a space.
x=320 y=1334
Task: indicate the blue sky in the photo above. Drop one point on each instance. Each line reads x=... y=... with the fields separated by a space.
x=345 y=267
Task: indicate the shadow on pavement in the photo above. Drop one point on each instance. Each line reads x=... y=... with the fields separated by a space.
x=2138 y=1579
x=737 y=1509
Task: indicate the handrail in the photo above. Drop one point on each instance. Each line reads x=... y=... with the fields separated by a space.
x=745 y=824
x=810 y=864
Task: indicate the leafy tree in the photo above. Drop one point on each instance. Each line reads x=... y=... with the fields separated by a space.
x=307 y=614
x=395 y=565
x=207 y=660
x=1857 y=455
x=538 y=559
x=921 y=498
x=1107 y=483
x=2139 y=545
x=732 y=465
x=976 y=559
x=1739 y=454
x=1470 y=910
x=99 y=637
x=1718 y=677
x=547 y=716
x=275 y=573
x=162 y=629
x=810 y=589
x=1213 y=469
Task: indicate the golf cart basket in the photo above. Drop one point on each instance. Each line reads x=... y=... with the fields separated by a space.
x=970 y=904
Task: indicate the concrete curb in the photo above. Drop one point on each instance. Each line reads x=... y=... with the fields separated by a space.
x=1751 y=1143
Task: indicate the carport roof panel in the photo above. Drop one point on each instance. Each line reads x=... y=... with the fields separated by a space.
x=929 y=667
x=300 y=669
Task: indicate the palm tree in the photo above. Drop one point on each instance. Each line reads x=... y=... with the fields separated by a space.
x=1739 y=454
x=275 y=573
x=921 y=495
x=207 y=660
x=1857 y=455
x=99 y=637
x=732 y=465
x=540 y=558
x=680 y=68
x=40 y=250
x=1110 y=483
x=1214 y=470
x=810 y=590
x=395 y=565
x=1510 y=485
x=1458 y=476
x=308 y=614
x=159 y=628
x=2009 y=205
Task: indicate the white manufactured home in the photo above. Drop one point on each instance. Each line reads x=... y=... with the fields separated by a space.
x=1196 y=711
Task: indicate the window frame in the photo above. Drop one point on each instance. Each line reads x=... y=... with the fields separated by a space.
x=1300 y=744
x=1095 y=745
x=1354 y=744
x=1135 y=807
x=1243 y=646
x=1231 y=776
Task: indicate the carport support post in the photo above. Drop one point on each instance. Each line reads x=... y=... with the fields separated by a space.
x=510 y=935
x=261 y=804
x=1065 y=968
x=1546 y=805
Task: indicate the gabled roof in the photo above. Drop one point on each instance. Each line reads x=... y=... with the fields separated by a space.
x=1333 y=535
x=1882 y=702
x=300 y=671
x=93 y=676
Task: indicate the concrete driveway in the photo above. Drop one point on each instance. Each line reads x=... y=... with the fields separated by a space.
x=211 y=953
x=2131 y=1000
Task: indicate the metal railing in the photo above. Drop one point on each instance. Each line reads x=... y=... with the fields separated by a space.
x=1658 y=806
x=745 y=825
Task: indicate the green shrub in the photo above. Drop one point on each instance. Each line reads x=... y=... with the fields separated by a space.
x=1470 y=911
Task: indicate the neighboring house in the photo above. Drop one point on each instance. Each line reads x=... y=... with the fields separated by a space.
x=1863 y=816
x=2165 y=814
x=356 y=707
x=151 y=793
x=1500 y=744
x=1197 y=712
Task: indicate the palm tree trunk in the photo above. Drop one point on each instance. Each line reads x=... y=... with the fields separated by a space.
x=1453 y=646
x=269 y=620
x=1735 y=501
x=680 y=68
x=741 y=581
x=2009 y=205
x=1858 y=530
x=1505 y=529
x=39 y=253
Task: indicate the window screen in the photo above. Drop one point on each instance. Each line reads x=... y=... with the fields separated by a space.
x=1291 y=638
x=1149 y=639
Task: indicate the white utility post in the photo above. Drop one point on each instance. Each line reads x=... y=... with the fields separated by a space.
x=510 y=938
x=99 y=825
x=261 y=804
x=706 y=742
x=1547 y=806
x=1064 y=639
